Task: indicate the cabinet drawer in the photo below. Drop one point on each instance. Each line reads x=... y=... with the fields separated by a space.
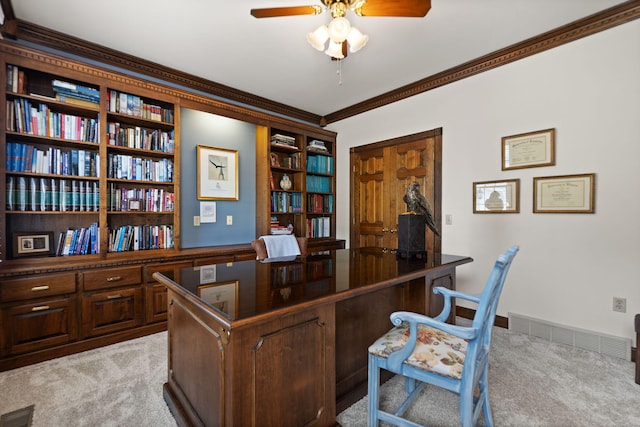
x=111 y=278
x=32 y=327
x=37 y=286
x=115 y=310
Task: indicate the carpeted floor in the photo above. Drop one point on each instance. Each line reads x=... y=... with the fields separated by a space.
x=532 y=383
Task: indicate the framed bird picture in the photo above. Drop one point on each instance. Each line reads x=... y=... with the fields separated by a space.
x=217 y=173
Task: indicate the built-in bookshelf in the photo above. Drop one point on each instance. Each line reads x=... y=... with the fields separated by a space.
x=90 y=164
x=301 y=175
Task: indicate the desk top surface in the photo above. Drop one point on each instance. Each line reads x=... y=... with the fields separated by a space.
x=243 y=289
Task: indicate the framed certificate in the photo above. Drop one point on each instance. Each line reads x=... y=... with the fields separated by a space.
x=564 y=194
x=529 y=150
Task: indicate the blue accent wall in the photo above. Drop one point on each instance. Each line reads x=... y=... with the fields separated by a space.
x=200 y=128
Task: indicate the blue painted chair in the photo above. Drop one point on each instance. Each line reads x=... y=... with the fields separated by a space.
x=426 y=350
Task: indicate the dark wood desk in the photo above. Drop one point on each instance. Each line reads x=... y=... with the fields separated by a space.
x=285 y=344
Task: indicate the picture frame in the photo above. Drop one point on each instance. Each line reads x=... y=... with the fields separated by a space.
x=493 y=197
x=217 y=170
x=529 y=150
x=207 y=274
x=33 y=244
x=222 y=296
x=275 y=162
x=134 y=205
x=564 y=194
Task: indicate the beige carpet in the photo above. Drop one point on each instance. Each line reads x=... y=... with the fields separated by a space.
x=533 y=383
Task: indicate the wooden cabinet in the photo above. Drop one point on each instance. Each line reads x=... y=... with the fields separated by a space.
x=37 y=312
x=155 y=293
x=112 y=300
x=295 y=181
x=92 y=161
x=235 y=376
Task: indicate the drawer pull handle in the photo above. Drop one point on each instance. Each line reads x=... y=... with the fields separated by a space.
x=40 y=308
x=114 y=278
x=114 y=296
x=40 y=288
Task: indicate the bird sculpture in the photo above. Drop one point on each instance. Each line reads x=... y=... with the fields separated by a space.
x=418 y=204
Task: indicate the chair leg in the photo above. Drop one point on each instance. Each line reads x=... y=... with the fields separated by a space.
x=484 y=398
x=374 y=391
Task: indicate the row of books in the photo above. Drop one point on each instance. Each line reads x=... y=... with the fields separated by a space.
x=292 y=161
x=320 y=164
x=40 y=120
x=139 y=199
x=121 y=166
x=29 y=158
x=133 y=105
x=81 y=241
x=137 y=137
x=319 y=227
x=51 y=195
x=16 y=79
x=140 y=237
x=318 y=184
x=286 y=202
x=320 y=203
x=76 y=91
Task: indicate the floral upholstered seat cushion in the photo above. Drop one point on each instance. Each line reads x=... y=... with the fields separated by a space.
x=436 y=351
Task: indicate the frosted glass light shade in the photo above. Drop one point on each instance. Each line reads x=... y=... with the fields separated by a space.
x=318 y=38
x=334 y=50
x=356 y=40
x=339 y=29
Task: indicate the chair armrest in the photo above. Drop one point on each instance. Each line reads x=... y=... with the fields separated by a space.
x=398 y=357
x=448 y=293
x=414 y=319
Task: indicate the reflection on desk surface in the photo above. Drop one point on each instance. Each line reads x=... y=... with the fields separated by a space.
x=243 y=289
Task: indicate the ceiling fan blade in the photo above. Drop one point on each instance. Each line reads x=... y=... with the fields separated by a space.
x=272 y=12
x=410 y=8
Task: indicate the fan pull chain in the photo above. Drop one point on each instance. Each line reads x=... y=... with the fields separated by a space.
x=339 y=71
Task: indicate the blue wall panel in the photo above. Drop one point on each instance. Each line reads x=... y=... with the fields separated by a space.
x=200 y=128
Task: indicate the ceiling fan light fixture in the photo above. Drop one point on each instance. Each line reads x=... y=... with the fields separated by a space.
x=339 y=29
x=335 y=50
x=356 y=40
x=318 y=38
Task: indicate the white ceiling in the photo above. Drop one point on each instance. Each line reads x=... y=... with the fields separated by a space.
x=220 y=41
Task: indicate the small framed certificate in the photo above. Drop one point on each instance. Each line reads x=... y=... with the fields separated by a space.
x=496 y=196
x=564 y=194
x=529 y=150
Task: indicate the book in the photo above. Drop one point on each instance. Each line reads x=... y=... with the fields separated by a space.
x=71 y=88
x=21 y=194
x=10 y=193
x=68 y=239
x=68 y=99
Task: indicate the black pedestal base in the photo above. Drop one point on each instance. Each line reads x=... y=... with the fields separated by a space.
x=411 y=236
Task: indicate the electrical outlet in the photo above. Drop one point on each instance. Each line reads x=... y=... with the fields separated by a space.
x=620 y=304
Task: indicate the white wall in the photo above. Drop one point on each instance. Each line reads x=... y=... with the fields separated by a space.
x=570 y=266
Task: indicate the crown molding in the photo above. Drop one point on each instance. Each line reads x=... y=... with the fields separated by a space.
x=595 y=23
x=609 y=18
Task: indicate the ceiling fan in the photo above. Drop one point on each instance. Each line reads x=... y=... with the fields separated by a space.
x=340 y=31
